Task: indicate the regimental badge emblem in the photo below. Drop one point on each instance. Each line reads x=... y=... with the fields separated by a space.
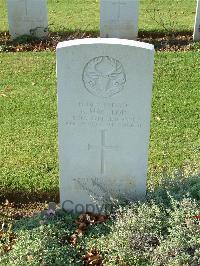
x=104 y=76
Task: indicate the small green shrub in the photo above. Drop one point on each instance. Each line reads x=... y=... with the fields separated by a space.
x=163 y=230
x=39 y=241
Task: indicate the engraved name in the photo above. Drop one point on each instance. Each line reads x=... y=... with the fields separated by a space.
x=103 y=114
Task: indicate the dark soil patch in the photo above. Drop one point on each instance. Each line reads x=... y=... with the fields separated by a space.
x=36 y=45
x=16 y=205
x=179 y=41
x=25 y=197
x=14 y=211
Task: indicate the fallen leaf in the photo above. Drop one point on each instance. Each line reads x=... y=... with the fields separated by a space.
x=92 y=257
x=80 y=232
x=6 y=248
x=82 y=226
x=73 y=239
x=102 y=219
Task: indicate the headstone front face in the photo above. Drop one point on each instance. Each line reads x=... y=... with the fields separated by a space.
x=119 y=19
x=27 y=17
x=104 y=102
x=196 y=35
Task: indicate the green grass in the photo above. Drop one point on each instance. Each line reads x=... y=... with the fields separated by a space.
x=29 y=161
x=29 y=120
x=175 y=131
x=83 y=15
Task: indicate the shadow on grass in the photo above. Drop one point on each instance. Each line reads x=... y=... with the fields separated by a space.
x=5 y=37
x=160 y=34
x=161 y=40
x=177 y=186
x=173 y=41
x=23 y=196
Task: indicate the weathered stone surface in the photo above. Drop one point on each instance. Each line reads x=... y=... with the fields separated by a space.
x=27 y=17
x=104 y=106
x=119 y=19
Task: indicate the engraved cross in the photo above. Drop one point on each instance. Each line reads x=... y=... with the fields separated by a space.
x=27 y=15
x=26 y=7
x=103 y=148
x=119 y=4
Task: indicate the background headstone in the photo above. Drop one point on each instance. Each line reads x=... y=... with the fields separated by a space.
x=119 y=19
x=196 y=35
x=104 y=103
x=27 y=17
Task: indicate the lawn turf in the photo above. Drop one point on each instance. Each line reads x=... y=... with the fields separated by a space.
x=83 y=15
x=28 y=120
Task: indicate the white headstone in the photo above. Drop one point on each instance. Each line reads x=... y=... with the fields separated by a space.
x=104 y=103
x=119 y=19
x=27 y=17
x=196 y=35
